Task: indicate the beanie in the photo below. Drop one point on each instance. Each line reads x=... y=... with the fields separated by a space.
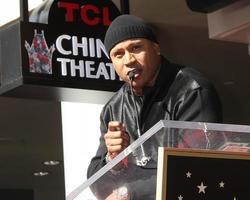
x=127 y=27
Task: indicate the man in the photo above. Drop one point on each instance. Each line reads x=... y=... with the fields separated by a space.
x=161 y=91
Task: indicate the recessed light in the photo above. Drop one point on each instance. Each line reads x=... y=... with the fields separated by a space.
x=51 y=162
x=41 y=173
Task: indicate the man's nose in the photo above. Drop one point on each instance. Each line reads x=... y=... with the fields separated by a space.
x=129 y=59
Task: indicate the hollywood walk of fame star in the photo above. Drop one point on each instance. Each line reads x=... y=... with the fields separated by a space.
x=202 y=188
x=188 y=174
x=222 y=184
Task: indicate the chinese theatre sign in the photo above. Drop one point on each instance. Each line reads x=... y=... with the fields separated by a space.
x=69 y=50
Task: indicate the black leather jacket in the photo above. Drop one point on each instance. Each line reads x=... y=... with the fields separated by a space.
x=178 y=94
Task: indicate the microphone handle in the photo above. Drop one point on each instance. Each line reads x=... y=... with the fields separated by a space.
x=136 y=111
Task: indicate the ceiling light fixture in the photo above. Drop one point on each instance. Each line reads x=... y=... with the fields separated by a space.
x=41 y=173
x=51 y=162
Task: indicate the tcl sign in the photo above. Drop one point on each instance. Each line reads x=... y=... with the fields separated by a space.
x=90 y=14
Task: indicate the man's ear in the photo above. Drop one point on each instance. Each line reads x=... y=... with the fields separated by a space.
x=157 y=48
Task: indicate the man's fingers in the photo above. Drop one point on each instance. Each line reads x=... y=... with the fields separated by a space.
x=119 y=141
x=115 y=149
x=113 y=142
x=113 y=135
x=116 y=138
x=116 y=126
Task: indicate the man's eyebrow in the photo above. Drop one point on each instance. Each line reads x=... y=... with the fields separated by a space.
x=116 y=51
x=136 y=42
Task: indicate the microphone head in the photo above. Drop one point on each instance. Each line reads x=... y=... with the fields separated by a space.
x=131 y=75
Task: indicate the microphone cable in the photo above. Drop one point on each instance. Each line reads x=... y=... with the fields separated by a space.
x=144 y=159
x=131 y=76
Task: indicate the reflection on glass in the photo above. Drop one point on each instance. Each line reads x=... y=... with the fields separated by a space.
x=122 y=177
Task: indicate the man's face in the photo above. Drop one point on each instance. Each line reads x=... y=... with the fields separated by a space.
x=139 y=55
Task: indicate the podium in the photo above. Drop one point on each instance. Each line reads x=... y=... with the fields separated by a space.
x=196 y=161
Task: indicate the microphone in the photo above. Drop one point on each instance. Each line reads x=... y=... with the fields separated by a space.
x=131 y=75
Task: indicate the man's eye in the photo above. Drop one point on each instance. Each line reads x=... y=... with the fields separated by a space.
x=118 y=55
x=136 y=47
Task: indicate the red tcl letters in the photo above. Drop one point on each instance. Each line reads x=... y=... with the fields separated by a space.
x=101 y=15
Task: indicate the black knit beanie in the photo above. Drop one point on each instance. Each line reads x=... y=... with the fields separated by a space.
x=127 y=27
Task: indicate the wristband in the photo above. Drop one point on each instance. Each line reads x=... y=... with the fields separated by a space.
x=122 y=193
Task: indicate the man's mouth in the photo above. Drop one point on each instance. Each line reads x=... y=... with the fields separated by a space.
x=134 y=74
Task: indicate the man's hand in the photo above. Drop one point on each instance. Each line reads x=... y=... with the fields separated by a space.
x=116 y=139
